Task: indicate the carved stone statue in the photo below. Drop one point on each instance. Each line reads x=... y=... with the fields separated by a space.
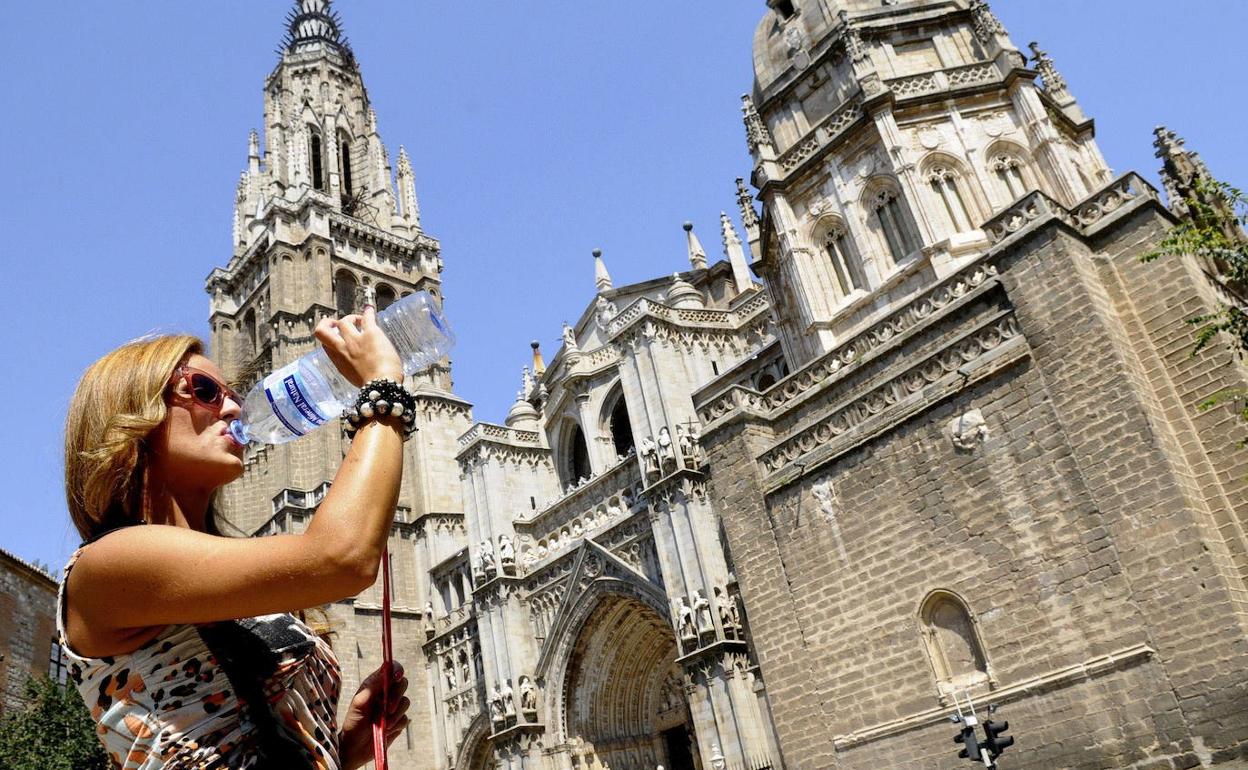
x=530 y=558
x=650 y=456
x=449 y=666
x=726 y=606
x=497 y=713
x=968 y=430
x=685 y=613
x=667 y=453
x=528 y=695
x=605 y=310
x=428 y=619
x=688 y=443
x=506 y=552
x=509 y=702
x=569 y=338
x=487 y=558
x=465 y=670
x=702 y=608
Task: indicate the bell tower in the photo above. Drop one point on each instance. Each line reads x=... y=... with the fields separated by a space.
x=883 y=136
x=321 y=220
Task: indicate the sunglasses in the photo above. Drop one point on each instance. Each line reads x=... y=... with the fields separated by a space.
x=205 y=389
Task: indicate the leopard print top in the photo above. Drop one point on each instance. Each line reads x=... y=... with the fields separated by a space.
x=170 y=705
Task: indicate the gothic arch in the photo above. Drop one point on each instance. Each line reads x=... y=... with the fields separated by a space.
x=385 y=295
x=346 y=287
x=890 y=218
x=614 y=420
x=475 y=749
x=607 y=669
x=952 y=192
x=954 y=643
x=573 y=455
x=833 y=241
x=1011 y=169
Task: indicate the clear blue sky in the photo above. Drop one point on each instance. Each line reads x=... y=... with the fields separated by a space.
x=538 y=131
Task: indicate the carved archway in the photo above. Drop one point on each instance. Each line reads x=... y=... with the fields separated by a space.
x=475 y=752
x=621 y=693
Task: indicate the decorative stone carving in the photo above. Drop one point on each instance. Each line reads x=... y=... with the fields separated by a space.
x=685 y=615
x=756 y=133
x=448 y=667
x=506 y=554
x=986 y=23
x=650 y=457
x=702 y=609
x=486 y=552
x=427 y=620
x=687 y=440
x=969 y=430
x=604 y=311
x=727 y=606
x=528 y=695
x=667 y=454
x=795 y=39
x=509 y=703
x=465 y=670
x=569 y=338
x=497 y=711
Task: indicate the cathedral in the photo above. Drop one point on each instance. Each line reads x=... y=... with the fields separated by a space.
x=925 y=439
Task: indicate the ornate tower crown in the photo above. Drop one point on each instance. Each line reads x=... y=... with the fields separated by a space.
x=311 y=23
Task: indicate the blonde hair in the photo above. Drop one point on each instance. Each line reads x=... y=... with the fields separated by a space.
x=118 y=403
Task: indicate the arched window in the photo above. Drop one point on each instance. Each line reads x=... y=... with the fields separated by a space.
x=621 y=427
x=1008 y=170
x=317 y=159
x=345 y=289
x=249 y=328
x=344 y=163
x=575 y=456
x=894 y=224
x=953 y=643
x=843 y=258
x=765 y=381
x=944 y=181
x=385 y=296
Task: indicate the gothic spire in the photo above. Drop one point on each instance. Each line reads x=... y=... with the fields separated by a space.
x=735 y=253
x=756 y=134
x=1054 y=83
x=697 y=254
x=313 y=22
x=406 y=180
x=602 y=279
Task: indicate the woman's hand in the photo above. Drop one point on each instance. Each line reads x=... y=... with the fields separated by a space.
x=358 y=348
x=355 y=742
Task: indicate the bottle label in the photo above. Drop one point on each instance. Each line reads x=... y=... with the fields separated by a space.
x=288 y=398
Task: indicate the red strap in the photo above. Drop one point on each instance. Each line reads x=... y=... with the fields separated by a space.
x=379 y=723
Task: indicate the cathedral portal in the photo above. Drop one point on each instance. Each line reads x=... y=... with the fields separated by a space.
x=624 y=698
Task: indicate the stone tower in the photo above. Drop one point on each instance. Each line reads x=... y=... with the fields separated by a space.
x=883 y=137
x=320 y=218
x=987 y=475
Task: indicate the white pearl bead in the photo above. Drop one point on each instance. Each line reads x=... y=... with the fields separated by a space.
x=397 y=410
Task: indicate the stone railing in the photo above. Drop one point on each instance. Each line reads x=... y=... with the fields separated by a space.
x=1036 y=206
x=839 y=359
x=1104 y=202
x=623 y=475
x=702 y=317
x=488 y=430
x=1032 y=207
x=968 y=348
x=730 y=400
x=916 y=85
x=824 y=132
x=984 y=72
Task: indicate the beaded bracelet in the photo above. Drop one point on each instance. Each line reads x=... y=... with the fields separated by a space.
x=379 y=398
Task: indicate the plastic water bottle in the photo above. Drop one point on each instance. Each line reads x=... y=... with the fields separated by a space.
x=305 y=394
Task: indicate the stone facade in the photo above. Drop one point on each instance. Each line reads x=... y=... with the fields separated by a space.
x=986 y=476
x=28 y=646
x=949 y=451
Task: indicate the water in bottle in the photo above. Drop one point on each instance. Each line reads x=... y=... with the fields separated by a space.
x=307 y=393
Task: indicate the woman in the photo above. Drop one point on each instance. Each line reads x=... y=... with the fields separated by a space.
x=177 y=637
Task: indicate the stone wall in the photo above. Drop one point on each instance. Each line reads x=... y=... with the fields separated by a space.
x=1090 y=528
x=27 y=627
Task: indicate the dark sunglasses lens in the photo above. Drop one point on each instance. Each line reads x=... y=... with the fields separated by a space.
x=205 y=388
